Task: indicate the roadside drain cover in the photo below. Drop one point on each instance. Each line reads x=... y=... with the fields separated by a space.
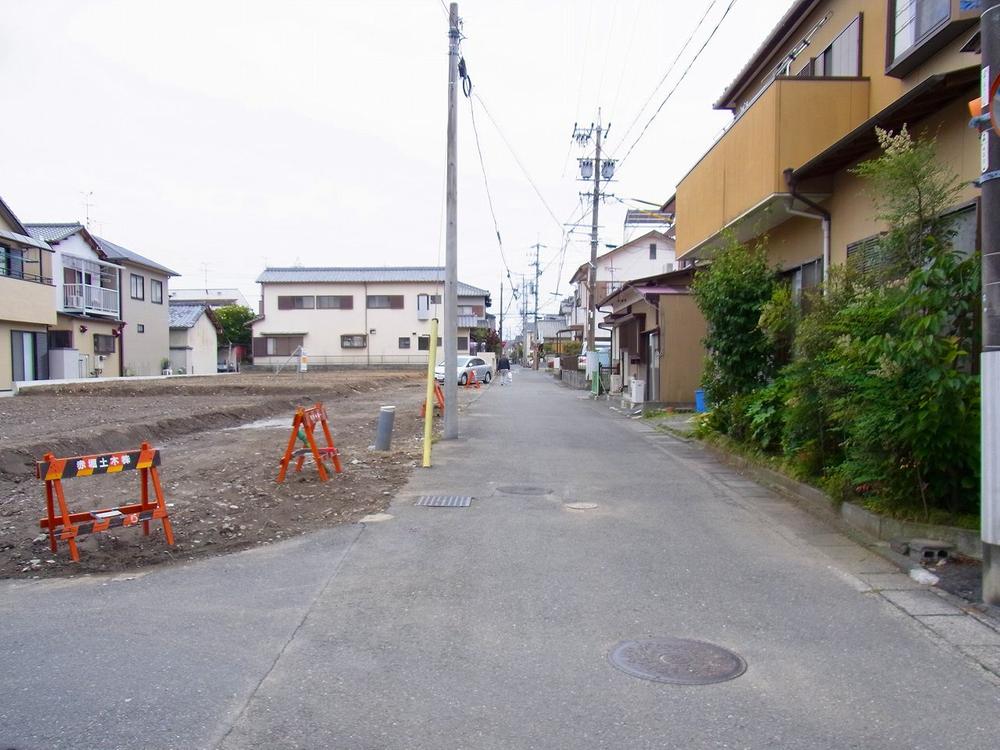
x=581 y=506
x=523 y=490
x=444 y=501
x=677 y=660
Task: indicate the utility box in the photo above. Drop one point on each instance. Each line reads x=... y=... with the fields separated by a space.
x=637 y=391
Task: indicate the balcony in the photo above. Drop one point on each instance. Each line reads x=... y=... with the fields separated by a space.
x=739 y=184
x=89 y=299
x=26 y=292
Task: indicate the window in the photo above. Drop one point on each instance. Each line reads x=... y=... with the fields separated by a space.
x=964 y=224
x=353 y=341
x=138 y=286
x=866 y=255
x=156 y=291
x=652 y=251
x=140 y=328
x=424 y=343
x=843 y=56
x=463 y=343
x=806 y=277
x=385 y=301
x=334 y=302
x=913 y=21
x=11 y=262
x=276 y=346
x=104 y=344
x=60 y=339
x=286 y=302
x=404 y=342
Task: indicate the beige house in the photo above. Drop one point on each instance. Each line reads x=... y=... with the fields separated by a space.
x=657 y=332
x=144 y=309
x=27 y=302
x=805 y=108
x=194 y=339
x=357 y=316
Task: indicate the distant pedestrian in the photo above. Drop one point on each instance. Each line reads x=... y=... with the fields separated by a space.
x=503 y=369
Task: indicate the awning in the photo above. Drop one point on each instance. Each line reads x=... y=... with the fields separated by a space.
x=922 y=100
x=23 y=239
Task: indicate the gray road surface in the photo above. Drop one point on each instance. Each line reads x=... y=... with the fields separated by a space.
x=490 y=626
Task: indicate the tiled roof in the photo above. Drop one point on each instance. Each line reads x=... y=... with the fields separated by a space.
x=53 y=232
x=119 y=253
x=362 y=274
x=185 y=316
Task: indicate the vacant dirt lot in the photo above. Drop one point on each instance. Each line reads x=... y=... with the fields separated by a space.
x=218 y=465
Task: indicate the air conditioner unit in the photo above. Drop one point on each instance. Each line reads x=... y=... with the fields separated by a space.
x=637 y=391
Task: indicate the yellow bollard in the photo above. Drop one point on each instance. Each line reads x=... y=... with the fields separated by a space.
x=429 y=410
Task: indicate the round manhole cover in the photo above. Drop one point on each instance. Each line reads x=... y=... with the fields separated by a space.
x=677 y=660
x=523 y=490
x=581 y=506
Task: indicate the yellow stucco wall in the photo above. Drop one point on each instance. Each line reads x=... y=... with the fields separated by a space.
x=682 y=329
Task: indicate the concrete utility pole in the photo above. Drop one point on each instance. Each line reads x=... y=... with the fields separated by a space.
x=990 y=360
x=451 y=242
x=592 y=271
x=538 y=272
x=501 y=316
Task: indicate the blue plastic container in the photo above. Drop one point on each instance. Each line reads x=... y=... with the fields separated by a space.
x=699 y=401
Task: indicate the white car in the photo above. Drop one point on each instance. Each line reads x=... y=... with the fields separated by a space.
x=466 y=365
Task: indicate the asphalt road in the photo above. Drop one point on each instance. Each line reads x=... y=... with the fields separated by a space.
x=490 y=626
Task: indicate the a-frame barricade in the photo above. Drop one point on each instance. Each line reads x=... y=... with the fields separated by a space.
x=64 y=526
x=472 y=381
x=304 y=430
x=438 y=400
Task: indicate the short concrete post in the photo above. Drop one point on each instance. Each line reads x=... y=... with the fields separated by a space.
x=383 y=433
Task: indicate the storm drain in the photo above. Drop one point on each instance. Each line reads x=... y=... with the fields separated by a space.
x=523 y=490
x=444 y=501
x=679 y=661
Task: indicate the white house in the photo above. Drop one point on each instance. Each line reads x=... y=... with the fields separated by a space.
x=648 y=255
x=194 y=338
x=358 y=316
x=211 y=297
x=111 y=303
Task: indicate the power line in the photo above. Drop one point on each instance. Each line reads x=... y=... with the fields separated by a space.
x=513 y=153
x=670 y=70
x=679 y=81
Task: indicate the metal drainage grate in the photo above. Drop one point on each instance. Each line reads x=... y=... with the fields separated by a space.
x=523 y=490
x=444 y=501
x=679 y=661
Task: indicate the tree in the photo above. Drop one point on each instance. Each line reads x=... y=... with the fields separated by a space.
x=487 y=336
x=235 y=321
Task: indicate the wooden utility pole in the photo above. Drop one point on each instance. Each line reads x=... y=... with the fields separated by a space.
x=451 y=241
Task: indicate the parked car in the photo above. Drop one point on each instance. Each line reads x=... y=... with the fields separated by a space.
x=466 y=365
x=582 y=359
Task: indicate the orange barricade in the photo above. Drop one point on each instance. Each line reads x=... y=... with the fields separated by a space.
x=68 y=526
x=472 y=381
x=438 y=398
x=303 y=428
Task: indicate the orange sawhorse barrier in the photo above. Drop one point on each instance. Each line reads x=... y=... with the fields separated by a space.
x=438 y=398
x=472 y=381
x=303 y=428
x=66 y=526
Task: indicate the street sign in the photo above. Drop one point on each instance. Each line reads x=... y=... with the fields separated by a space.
x=994 y=104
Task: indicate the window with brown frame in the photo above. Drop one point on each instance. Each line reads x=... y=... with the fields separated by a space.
x=385 y=302
x=291 y=302
x=843 y=56
x=334 y=302
x=276 y=346
x=911 y=22
x=104 y=344
x=353 y=341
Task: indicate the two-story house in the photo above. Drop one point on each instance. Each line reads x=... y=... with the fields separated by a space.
x=805 y=110
x=111 y=304
x=144 y=309
x=84 y=342
x=27 y=301
x=357 y=316
x=649 y=254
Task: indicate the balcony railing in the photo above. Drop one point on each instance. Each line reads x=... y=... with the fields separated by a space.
x=22 y=265
x=89 y=298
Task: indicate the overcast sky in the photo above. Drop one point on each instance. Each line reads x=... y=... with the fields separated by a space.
x=217 y=137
